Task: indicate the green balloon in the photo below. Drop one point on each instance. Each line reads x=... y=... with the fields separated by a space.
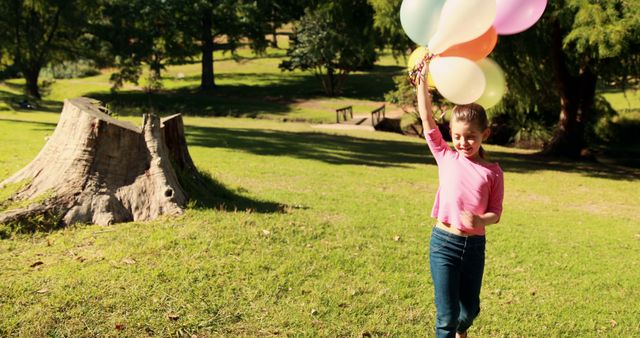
x=496 y=84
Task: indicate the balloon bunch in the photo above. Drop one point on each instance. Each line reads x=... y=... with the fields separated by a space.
x=456 y=36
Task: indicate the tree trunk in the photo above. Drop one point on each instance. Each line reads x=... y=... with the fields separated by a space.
x=156 y=65
x=95 y=169
x=577 y=97
x=274 y=34
x=207 y=81
x=31 y=77
x=331 y=82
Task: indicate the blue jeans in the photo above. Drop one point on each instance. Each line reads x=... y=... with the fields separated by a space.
x=457 y=265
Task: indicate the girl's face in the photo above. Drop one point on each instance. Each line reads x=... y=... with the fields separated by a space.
x=467 y=138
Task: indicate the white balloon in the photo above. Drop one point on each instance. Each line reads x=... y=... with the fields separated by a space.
x=459 y=80
x=419 y=19
x=461 y=21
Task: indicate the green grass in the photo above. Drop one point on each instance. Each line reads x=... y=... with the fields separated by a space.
x=562 y=262
x=626 y=103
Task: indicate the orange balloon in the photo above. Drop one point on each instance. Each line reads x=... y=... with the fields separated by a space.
x=476 y=49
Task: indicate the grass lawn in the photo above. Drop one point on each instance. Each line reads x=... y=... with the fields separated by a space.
x=563 y=261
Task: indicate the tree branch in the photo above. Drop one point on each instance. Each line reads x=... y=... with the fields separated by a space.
x=47 y=43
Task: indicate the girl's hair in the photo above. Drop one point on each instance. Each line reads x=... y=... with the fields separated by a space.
x=472 y=113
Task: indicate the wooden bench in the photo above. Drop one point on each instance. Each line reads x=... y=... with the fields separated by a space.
x=377 y=115
x=344 y=112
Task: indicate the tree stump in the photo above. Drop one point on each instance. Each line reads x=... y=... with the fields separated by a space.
x=96 y=169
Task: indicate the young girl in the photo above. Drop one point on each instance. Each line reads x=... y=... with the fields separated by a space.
x=469 y=198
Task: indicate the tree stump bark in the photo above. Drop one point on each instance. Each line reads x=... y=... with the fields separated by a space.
x=96 y=169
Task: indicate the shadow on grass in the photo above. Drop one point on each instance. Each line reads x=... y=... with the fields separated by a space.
x=189 y=101
x=16 y=100
x=206 y=192
x=349 y=150
x=528 y=163
x=42 y=126
x=334 y=149
x=271 y=94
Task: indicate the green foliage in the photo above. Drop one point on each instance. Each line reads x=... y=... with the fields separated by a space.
x=129 y=70
x=597 y=42
x=598 y=35
x=605 y=31
x=531 y=134
x=620 y=129
x=268 y=15
x=158 y=33
x=332 y=40
x=139 y=32
x=70 y=69
x=389 y=30
x=36 y=33
x=404 y=95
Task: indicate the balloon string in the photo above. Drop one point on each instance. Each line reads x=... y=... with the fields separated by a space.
x=414 y=74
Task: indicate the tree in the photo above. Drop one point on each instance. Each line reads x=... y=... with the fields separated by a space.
x=158 y=32
x=141 y=32
x=219 y=25
x=386 y=21
x=218 y=22
x=274 y=13
x=556 y=65
x=332 y=40
x=38 y=32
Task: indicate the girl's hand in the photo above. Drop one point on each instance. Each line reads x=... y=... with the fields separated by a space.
x=418 y=75
x=423 y=73
x=470 y=220
x=424 y=97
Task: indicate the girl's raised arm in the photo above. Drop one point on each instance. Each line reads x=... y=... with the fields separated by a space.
x=424 y=100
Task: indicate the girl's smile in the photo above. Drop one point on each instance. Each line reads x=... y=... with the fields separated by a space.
x=467 y=138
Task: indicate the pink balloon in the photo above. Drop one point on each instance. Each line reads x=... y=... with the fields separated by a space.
x=515 y=16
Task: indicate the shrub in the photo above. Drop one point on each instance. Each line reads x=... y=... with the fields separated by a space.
x=70 y=69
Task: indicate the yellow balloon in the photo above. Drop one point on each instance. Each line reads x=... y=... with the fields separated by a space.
x=415 y=57
x=496 y=84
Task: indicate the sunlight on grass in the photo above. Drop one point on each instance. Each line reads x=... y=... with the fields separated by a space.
x=346 y=256
x=624 y=100
x=626 y=103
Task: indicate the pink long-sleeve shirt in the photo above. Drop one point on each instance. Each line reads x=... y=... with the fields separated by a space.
x=465 y=185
